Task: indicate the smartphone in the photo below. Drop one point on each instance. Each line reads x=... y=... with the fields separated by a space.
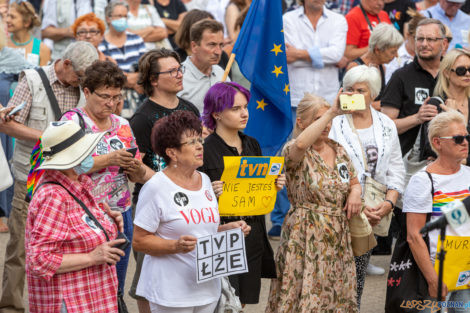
x=133 y=151
x=437 y=101
x=17 y=109
x=123 y=246
x=354 y=102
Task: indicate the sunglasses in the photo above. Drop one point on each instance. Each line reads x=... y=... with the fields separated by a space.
x=461 y=70
x=458 y=139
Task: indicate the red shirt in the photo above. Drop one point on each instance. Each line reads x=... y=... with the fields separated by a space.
x=358 y=28
x=58 y=225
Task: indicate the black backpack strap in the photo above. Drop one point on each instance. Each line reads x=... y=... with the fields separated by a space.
x=81 y=121
x=90 y=215
x=50 y=95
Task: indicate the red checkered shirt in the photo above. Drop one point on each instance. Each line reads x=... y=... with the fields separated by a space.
x=57 y=225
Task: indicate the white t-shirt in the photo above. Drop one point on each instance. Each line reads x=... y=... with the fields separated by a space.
x=170 y=211
x=447 y=188
x=371 y=151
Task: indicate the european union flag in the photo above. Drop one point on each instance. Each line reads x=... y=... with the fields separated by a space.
x=261 y=55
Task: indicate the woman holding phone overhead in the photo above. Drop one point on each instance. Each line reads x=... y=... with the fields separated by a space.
x=112 y=163
x=226 y=112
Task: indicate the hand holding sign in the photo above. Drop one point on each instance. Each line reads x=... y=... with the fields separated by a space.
x=280 y=181
x=185 y=244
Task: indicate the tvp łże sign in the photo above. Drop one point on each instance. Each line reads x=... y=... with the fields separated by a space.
x=249 y=187
x=220 y=255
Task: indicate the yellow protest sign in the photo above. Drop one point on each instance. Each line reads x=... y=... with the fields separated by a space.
x=456 y=263
x=249 y=187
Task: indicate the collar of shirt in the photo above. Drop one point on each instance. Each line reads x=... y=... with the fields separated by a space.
x=194 y=70
x=304 y=16
x=53 y=75
x=76 y=187
x=232 y=149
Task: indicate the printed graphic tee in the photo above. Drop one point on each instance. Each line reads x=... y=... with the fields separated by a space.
x=447 y=188
x=371 y=151
x=169 y=212
x=111 y=184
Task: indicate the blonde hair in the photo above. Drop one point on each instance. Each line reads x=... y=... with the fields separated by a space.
x=27 y=12
x=2 y=38
x=442 y=85
x=307 y=108
x=440 y=124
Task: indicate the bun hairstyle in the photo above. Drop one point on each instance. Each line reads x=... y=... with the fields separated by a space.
x=27 y=12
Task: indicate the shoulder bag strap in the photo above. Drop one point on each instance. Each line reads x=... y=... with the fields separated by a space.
x=367 y=18
x=81 y=121
x=90 y=215
x=50 y=95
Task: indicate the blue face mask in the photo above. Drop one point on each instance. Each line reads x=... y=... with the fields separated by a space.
x=120 y=24
x=84 y=166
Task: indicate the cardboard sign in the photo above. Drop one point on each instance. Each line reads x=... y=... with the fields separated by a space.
x=222 y=254
x=456 y=263
x=249 y=187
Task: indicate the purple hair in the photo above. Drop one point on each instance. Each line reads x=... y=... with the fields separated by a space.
x=219 y=97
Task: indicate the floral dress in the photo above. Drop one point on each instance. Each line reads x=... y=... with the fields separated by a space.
x=314 y=263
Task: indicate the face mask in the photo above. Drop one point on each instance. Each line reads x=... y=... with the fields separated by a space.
x=120 y=25
x=84 y=166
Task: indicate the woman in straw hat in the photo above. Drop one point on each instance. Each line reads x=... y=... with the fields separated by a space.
x=70 y=253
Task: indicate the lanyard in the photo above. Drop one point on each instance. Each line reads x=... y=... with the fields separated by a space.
x=367 y=18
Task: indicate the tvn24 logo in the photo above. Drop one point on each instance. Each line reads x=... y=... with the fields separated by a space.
x=257 y=167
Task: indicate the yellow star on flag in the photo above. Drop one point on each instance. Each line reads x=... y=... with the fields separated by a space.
x=286 y=88
x=261 y=104
x=277 y=70
x=277 y=49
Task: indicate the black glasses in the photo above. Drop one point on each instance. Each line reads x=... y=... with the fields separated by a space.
x=458 y=139
x=174 y=72
x=92 y=32
x=461 y=70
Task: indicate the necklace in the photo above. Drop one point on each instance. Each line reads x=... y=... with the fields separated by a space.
x=20 y=43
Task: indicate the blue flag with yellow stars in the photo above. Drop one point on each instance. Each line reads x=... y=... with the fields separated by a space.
x=261 y=55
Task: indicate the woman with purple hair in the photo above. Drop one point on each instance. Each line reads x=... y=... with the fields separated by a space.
x=226 y=113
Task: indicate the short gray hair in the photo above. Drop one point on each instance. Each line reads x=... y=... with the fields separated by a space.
x=441 y=122
x=112 y=4
x=81 y=53
x=428 y=21
x=384 y=36
x=364 y=74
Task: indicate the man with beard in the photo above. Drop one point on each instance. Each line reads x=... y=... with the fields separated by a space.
x=405 y=97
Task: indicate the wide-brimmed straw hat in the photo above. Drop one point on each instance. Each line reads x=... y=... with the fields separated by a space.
x=65 y=145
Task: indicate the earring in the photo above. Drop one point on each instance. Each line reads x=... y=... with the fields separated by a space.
x=176 y=164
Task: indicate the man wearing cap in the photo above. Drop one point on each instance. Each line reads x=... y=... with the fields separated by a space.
x=58 y=83
x=449 y=13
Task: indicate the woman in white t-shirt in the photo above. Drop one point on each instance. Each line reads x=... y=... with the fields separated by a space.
x=449 y=138
x=177 y=206
x=371 y=140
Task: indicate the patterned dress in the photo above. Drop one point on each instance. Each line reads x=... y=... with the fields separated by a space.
x=315 y=263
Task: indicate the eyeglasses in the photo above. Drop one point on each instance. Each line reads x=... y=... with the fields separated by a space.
x=107 y=98
x=458 y=139
x=194 y=141
x=461 y=70
x=119 y=16
x=174 y=72
x=428 y=39
x=92 y=32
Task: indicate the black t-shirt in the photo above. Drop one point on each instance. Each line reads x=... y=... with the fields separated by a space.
x=171 y=11
x=142 y=123
x=406 y=91
x=215 y=149
x=397 y=12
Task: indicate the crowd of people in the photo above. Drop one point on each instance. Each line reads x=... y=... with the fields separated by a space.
x=125 y=111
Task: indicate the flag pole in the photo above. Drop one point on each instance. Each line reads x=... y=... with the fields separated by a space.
x=229 y=66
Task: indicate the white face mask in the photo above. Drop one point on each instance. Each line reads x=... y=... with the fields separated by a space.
x=85 y=165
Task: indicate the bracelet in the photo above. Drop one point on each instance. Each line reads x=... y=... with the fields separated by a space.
x=390 y=201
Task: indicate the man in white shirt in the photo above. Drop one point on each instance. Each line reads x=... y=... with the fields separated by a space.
x=56 y=21
x=315 y=42
x=201 y=69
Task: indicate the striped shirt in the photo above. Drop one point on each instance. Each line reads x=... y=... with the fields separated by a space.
x=128 y=54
